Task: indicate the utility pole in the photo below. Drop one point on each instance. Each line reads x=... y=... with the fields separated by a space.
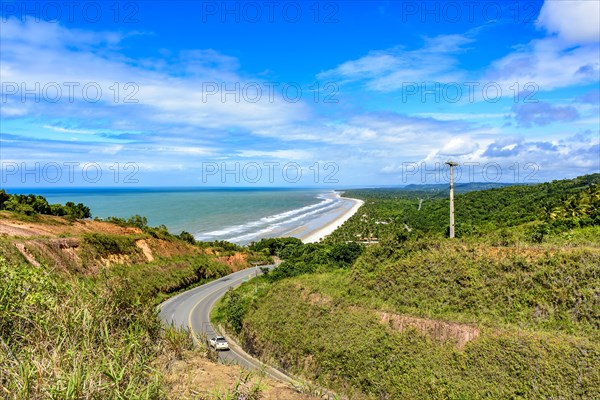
x=451 y=165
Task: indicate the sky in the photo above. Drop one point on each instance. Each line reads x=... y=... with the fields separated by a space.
x=297 y=93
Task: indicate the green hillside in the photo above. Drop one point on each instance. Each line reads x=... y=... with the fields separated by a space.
x=78 y=299
x=389 y=212
x=511 y=309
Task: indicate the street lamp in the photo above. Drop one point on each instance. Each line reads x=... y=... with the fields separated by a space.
x=451 y=164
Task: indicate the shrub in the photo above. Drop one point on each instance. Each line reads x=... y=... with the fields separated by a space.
x=233 y=309
x=105 y=244
x=187 y=237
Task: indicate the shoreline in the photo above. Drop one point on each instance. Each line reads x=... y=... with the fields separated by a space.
x=325 y=230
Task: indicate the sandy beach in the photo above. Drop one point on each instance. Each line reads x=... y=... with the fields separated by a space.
x=330 y=221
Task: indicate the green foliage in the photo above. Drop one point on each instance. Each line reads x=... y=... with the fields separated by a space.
x=159 y=232
x=528 y=286
x=524 y=272
x=105 y=244
x=187 y=237
x=233 y=309
x=234 y=305
x=157 y=280
x=345 y=253
x=258 y=258
x=348 y=349
x=76 y=211
x=4 y=197
x=276 y=246
x=310 y=258
x=136 y=221
x=289 y=269
x=63 y=337
x=388 y=212
x=31 y=205
x=223 y=246
x=141 y=222
x=576 y=210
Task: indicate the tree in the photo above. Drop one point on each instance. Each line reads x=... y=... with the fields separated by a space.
x=138 y=221
x=76 y=211
x=4 y=197
x=187 y=237
x=345 y=253
x=40 y=205
x=234 y=309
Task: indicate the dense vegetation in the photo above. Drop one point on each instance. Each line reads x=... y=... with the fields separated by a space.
x=510 y=309
x=71 y=336
x=34 y=204
x=392 y=212
x=310 y=258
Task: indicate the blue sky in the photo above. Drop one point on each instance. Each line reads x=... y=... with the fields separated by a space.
x=290 y=93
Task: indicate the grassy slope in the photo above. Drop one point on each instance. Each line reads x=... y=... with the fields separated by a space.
x=65 y=337
x=539 y=328
x=536 y=305
x=86 y=327
x=349 y=349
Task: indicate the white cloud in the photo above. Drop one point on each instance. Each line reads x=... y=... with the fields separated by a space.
x=110 y=149
x=65 y=130
x=52 y=35
x=573 y=21
x=281 y=154
x=387 y=70
x=175 y=126
x=569 y=58
x=519 y=158
x=37 y=54
x=461 y=116
x=548 y=65
x=459 y=146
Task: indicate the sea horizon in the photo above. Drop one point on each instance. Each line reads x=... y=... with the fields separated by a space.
x=239 y=215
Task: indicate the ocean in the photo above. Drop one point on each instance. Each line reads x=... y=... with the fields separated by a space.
x=236 y=215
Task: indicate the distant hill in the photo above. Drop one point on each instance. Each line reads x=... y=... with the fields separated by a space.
x=458 y=187
x=480 y=207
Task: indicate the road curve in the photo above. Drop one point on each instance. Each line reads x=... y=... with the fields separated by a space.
x=191 y=310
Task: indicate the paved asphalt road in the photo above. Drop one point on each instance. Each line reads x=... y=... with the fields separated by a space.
x=191 y=310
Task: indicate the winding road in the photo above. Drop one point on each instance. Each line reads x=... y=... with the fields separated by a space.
x=191 y=310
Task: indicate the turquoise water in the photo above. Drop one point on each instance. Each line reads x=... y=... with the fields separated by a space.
x=238 y=215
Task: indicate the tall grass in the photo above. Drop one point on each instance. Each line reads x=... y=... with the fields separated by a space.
x=349 y=350
x=246 y=387
x=65 y=338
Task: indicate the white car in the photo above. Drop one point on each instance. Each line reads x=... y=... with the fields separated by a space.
x=219 y=343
